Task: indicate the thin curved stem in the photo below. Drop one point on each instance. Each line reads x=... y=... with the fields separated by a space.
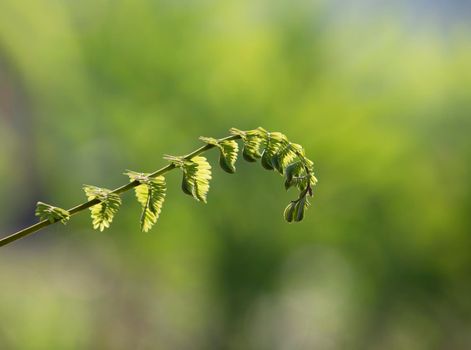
x=78 y=208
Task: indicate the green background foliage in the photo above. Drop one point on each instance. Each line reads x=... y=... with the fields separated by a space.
x=379 y=96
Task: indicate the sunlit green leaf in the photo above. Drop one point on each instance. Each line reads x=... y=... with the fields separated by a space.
x=52 y=214
x=228 y=155
x=199 y=173
x=196 y=176
x=254 y=141
x=274 y=143
x=285 y=156
x=228 y=149
x=151 y=195
x=103 y=212
x=278 y=153
x=209 y=140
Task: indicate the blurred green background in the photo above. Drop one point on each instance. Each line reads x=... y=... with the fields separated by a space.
x=378 y=92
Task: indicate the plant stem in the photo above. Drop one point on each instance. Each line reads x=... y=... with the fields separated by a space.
x=38 y=226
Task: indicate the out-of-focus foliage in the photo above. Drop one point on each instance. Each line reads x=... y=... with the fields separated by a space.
x=379 y=95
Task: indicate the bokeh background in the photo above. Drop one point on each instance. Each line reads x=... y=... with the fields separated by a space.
x=378 y=92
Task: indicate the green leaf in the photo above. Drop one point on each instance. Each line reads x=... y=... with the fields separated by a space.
x=286 y=155
x=187 y=187
x=254 y=140
x=310 y=166
x=196 y=176
x=278 y=153
x=229 y=150
x=228 y=156
x=300 y=208
x=103 y=212
x=275 y=142
x=289 y=211
x=313 y=180
x=300 y=174
x=51 y=213
x=209 y=140
x=151 y=195
x=291 y=171
x=304 y=180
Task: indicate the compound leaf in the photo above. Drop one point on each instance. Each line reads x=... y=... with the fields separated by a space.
x=300 y=207
x=196 y=176
x=254 y=140
x=275 y=142
x=52 y=214
x=292 y=173
x=289 y=211
x=228 y=156
x=102 y=213
x=228 y=151
x=151 y=195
